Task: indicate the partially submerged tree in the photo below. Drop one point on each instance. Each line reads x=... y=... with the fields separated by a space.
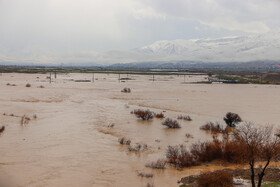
x=248 y=144
x=172 y=124
x=144 y=114
x=232 y=119
x=261 y=145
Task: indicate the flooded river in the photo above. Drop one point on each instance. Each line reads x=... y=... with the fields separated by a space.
x=73 y=139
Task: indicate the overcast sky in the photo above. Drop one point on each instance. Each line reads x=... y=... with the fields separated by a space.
x=57 y=30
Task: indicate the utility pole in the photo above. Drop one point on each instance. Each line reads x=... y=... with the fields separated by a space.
x=92 y=77
x=50 y=77
x=119 y=77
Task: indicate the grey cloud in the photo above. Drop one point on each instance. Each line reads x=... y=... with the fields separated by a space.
x=69 y=30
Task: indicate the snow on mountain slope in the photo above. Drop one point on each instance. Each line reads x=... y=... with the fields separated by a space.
x=229 y=49
x=259 y=47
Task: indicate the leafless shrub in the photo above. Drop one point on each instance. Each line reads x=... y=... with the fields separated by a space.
x=144 y=146
x=225 y=150
x=34 y=116
x=28 y=85
x=124 y=141
x=8 y=84
x=188 y=135
x=41 y=86
x=249 y=144
x=213 y=127
x=186 y=117
x=126 y=106
x=126 y=90
x=171 y=123
x=150 y=185
x=111 y=125
x=215 y=179
x=144 y=114
x=2 y=129
x=24 y=120
x=160 y=115
x=159 y=164
x=232 y=119
x=137 y=147
x=13 y=85
x=146 y=175
x=207 y=151
x=179 y=156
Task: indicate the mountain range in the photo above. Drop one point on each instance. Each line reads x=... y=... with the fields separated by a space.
x=257 y=47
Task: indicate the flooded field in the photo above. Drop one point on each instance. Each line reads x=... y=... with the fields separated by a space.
x=72 y=136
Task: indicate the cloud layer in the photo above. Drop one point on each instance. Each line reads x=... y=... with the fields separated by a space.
x=56 y=31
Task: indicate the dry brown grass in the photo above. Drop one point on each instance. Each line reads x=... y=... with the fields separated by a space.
x=225 y=150
x=215 y=179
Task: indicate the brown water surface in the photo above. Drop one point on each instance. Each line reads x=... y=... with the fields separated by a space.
x=70 y=142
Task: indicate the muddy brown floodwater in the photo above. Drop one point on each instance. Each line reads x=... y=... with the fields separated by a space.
x=71 y=143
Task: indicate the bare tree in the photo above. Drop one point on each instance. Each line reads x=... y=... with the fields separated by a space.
x=262 y=144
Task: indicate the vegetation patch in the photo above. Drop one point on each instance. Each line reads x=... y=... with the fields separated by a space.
x=160 y=115
x=124 y=141
x=213 y=128
x=143 y=114
x=172 y=124
x=159 y=164
x=186 y=117
x=126 y=90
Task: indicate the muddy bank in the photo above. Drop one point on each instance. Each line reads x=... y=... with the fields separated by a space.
x=271 y=175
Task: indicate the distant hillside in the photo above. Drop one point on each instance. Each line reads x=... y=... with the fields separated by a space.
x=258 y=47
x=182 y=65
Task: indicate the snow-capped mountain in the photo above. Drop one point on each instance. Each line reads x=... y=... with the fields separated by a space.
x=228 y=49
x=258 y=47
